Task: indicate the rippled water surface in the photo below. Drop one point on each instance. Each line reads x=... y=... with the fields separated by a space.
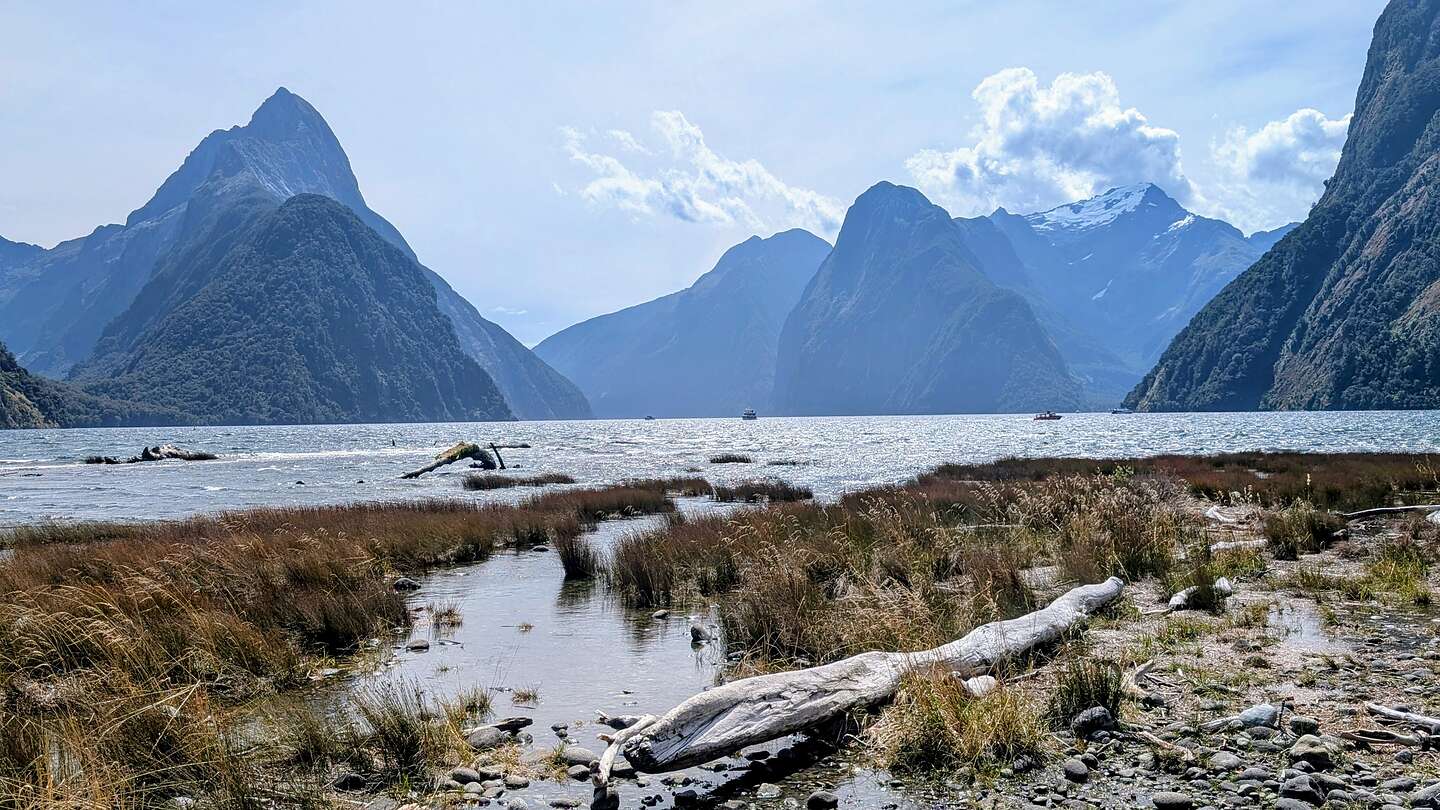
x=42 y=474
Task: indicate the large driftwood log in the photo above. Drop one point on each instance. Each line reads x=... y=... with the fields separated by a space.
x=462 y=450
x=735 y=715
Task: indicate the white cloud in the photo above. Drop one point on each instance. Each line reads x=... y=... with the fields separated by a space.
x=511 y=311
x=627 y=141
x=1276 y=173
x=1037 y=147
x=1300 y=150
x=696 y=184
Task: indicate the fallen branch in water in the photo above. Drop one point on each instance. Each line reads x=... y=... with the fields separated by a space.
x=735 y=715
x=462 y=450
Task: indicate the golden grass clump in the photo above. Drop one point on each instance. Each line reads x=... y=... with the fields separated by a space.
x=936 y=725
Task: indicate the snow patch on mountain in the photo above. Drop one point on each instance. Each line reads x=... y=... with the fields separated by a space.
x=1094 y=212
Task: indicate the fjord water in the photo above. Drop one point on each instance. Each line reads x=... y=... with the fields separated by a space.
x=524 y=626
x=42 y=474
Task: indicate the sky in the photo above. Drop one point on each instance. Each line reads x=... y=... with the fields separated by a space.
x=559 y=160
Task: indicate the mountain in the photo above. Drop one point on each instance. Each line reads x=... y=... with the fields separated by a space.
x=1344 y=311
x=898 y=319
x=54 y=306
x=309 y=316
x=28 y=401
x=708 y=350
x=13 y=254
x=1114 y=277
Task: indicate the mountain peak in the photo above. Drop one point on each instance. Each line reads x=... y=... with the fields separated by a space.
x=886 y=190
x=283 y=114
x=1106 y=208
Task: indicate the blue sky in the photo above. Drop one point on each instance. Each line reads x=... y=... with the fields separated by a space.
x=559 y=160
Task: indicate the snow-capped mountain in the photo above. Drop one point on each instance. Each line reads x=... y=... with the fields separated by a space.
x=1115 y=277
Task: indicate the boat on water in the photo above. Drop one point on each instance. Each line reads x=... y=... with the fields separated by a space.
x=749 y=414
x=649 y=419
x=1120 y=410
x=1046 y=416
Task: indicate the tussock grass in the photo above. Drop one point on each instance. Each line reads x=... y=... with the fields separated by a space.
x=1197 y=571
x=445 y=614
x=593 y=504
x=935 y=725
x=690 y=486
x=487 y=481
x=897 y=568
x=1083 y=684
x=762 y=491
x=578 y=556
x=1299 y=529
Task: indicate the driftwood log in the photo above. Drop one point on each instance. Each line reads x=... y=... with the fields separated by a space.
x=1238 y=545
x=1181 y=600
x=1381 y=736
x=735 y=715
x=1390 y=510
x=1430 y=725
x=463 y=450
x=460 y=451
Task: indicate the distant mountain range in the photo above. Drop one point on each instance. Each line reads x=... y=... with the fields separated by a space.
x=92 y=307
x=257 y=286
x=708 y=350
x=1344 y=311
x=1106 y=281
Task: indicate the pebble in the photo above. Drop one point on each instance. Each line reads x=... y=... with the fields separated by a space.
x=1170 y=800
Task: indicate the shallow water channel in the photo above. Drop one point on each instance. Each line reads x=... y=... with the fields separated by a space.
x=524 y=627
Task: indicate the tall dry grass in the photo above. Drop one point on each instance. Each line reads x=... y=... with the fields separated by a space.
x=936 y=725
x=124 y=649
x=1334 y=481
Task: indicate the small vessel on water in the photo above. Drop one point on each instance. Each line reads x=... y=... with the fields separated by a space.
x=749 y=414
x=1120 y=410
x=1046 y=416
x=649 y=419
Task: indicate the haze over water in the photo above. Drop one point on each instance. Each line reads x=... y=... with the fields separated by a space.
x=42 y=474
